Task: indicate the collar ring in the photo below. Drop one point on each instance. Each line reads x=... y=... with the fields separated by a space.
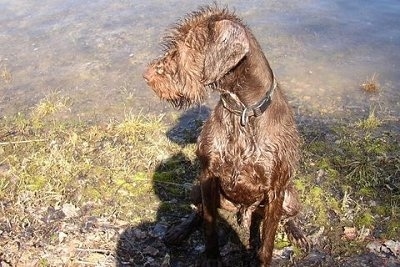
x=244 y=118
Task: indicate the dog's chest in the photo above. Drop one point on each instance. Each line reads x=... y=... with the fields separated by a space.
x=242 y=181
x=242 y=162
x=242 y=190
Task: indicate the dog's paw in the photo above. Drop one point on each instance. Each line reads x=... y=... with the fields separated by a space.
x=179 y=233
x=301 y=242
x=296 y=236
x=175 y=235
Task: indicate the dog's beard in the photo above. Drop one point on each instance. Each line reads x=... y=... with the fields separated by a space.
x=181 y=102
x=184 y=101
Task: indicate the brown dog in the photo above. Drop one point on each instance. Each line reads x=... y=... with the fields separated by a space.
x=248 y=148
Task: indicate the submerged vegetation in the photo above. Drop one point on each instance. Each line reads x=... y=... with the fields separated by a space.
x=5 y=75
x=68 y=189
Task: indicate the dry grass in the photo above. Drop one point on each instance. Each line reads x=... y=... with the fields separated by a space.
x=371 y=84
x=56 y=177
x=51 y=104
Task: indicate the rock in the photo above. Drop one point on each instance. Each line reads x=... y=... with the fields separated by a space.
x=349 y=233
x=389 y=248
x=166 y=261
x=139 y=234
x=158 y=230
x=61 y=237
x=394 y=247
x=70 y=210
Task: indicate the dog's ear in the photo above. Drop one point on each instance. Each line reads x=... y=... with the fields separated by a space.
x=228 y=44
x=196 y=38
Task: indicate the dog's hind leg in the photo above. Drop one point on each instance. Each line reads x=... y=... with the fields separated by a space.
x=291 y=207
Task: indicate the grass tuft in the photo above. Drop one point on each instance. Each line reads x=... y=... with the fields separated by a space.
x=371 y=84
x=371 y=122
x=6 y=75
x=49 y=105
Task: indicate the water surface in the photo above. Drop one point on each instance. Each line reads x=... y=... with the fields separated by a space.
x=94 y=52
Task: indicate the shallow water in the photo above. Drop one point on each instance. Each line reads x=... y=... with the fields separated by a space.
x=95 y=51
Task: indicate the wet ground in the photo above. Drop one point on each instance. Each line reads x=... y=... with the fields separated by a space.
x=94 y=52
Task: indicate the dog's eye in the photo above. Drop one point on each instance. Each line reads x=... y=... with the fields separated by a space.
x=160 y=70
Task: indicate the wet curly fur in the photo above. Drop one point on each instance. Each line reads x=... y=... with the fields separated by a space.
x=245 y=167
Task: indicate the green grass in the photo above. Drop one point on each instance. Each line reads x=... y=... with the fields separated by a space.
x=342 y=177
x=371 y=122
x=71 y=162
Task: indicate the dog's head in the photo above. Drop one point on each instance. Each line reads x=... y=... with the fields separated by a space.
x=199 y=52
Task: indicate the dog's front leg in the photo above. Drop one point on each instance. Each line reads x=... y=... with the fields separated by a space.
x=210 y=199
x=273 y=214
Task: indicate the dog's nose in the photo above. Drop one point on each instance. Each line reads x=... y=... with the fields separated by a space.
x=147 y=75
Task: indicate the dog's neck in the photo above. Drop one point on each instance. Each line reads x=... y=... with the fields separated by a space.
x=248 y=89
x=232 y=103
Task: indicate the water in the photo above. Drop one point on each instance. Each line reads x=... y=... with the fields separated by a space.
x=94 y=52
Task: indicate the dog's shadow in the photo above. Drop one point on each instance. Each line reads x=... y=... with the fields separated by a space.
x=143 y=244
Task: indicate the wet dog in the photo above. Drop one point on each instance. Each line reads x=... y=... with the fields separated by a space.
x=249 y=147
